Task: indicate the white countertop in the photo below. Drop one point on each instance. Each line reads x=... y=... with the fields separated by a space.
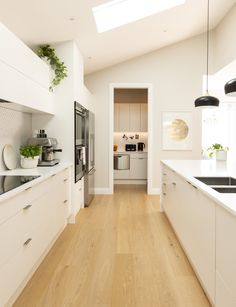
x=43 y=172
x=188 y=169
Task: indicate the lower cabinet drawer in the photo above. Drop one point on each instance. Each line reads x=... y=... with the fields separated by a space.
x=13 y=273
x=223 y=296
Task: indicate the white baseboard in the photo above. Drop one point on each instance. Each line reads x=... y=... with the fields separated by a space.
x=154 y=191
x=102 y=191
x=125 y=181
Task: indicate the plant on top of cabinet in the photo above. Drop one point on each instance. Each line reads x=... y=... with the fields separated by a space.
x=30 y=156
x=59 y=68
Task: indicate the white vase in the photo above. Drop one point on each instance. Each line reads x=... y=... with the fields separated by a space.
x=221 y=155
x=29 y=162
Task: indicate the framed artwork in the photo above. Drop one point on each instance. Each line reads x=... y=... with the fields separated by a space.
x=177 y=130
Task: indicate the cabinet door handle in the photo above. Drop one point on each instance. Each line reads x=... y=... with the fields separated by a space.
x=65 y=201
x=28 y=189
x=27 y=241
x=189 y=183
x=53 y=175
x=174 y=183
x=164 y=184
x=27 y=207
x=164 y=194
x=164 y=174
x=65 y=179
x=194 y=187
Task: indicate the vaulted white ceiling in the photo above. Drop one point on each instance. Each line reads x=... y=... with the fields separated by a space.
x=52 y=21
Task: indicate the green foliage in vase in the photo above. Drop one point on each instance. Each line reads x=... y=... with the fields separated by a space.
x=59 y=68
x=30 y=151
x=216 y=147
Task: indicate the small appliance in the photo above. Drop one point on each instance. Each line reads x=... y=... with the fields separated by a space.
x=130 y=147
x=49 y=147
x=141 y=146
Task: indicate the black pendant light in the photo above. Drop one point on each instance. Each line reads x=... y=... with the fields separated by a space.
x=230 y=88
x=207 y=100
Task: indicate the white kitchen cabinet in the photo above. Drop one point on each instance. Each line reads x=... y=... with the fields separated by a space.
x=29 y=230
x=116 y=117
x=124 y=124
x=134 y=117
x=79 y=196
x=144 y=117
x=122 y=174
x=138 y=167
x=130 y=117
x=192 y=215
x=25 y=76
x=225 y=256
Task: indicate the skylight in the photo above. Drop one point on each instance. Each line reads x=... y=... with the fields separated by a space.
x=116 y=13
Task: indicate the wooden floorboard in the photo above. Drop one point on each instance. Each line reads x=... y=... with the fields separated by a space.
x=122 y=252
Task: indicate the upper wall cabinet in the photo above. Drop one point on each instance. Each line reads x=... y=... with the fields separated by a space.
x=130 y=117
x=25 y=76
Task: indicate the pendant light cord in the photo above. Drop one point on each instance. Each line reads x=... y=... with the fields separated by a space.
x=208 y=9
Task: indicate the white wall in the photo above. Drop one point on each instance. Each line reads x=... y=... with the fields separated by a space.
x=15 y=129
x=224 y=40
x=176 y=75
x=70 y=89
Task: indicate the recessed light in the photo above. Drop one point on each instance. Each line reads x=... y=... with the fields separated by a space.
x=116 y=13
x=72 y=19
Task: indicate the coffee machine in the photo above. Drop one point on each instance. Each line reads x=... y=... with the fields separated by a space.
x=49 y=147
x=141 y=146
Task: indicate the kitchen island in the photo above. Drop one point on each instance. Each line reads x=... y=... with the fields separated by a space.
x=205 y=223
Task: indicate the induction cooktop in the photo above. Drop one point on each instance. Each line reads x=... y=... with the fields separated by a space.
x=8 y=183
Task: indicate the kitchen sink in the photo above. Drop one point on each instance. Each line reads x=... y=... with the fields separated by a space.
x=218 y=181
x=225 y=189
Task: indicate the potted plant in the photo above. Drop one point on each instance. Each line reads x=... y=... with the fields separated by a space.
x=48 y=53
x=30 y=156
x=219 y=151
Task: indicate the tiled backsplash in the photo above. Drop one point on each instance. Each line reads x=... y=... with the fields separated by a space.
x=15 y=128
x=120 y=141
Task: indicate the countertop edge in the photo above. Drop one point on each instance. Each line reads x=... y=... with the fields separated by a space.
x=43 y=172
x=206 y=190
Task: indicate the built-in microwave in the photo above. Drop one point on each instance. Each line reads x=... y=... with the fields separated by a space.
x=80 y=124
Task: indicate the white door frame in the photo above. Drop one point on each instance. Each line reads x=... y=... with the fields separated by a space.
x=147 y=86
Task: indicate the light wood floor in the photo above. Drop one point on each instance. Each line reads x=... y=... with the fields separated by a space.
x=121 y=252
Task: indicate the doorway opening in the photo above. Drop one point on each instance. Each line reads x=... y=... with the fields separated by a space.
x=131 y=135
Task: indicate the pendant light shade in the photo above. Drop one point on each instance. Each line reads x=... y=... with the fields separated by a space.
x=230 y=88
x=207 y=100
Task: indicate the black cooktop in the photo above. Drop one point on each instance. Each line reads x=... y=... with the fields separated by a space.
x=8 y=183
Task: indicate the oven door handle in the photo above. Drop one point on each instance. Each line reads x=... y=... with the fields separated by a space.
x=92 y=172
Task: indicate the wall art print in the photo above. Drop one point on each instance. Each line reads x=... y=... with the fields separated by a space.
x=177 y=130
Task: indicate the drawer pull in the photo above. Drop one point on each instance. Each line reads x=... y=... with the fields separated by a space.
x=164 y=194
x=65 y=201
x=164 y=184
x=164 y=174
x=27 y=207
x=28 y=188
x=65 y=179
x=80 y=189
x=27 y=242
x=174 y=183
x=53 y=175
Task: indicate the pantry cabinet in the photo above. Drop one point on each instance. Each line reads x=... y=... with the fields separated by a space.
x=138 y=167
x=30 y=223
x=130 y=117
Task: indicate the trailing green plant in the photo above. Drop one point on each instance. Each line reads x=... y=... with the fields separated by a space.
x=59 y=68
x=30 y=151
x=214 y=148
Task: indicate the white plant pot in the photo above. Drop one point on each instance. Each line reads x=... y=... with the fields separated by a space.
x=221 y=155
x=29 y=162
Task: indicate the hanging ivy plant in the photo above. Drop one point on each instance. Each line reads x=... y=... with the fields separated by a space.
x=59 y=68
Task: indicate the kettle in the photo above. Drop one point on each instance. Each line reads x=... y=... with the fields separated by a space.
x=141 y=146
